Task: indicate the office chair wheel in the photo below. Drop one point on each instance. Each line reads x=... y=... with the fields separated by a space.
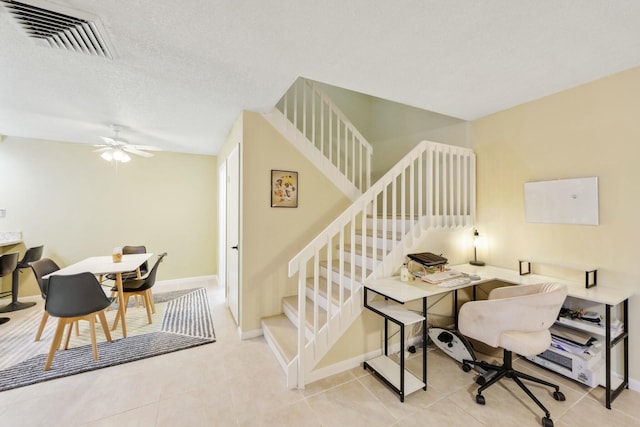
x=466 y=367
x=547 y=422
x=558 y=395
x=481 y=380
x=480 y=399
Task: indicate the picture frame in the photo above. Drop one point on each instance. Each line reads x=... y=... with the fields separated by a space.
x=284 y=189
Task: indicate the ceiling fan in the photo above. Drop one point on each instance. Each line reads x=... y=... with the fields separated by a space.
x=116 y=147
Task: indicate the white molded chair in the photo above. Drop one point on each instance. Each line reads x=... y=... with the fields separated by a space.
x=516 y=318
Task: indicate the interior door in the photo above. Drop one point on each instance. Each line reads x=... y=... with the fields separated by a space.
x=233 y=233
x=222 y=226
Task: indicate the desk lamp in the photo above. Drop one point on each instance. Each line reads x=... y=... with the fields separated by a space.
x=476 y=240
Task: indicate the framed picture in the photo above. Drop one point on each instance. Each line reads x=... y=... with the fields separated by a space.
x=284 y=189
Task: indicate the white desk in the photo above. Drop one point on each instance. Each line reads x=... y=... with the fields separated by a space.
x=608 y=296
x=100 y=265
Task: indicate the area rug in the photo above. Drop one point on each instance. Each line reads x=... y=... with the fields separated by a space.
x=182 y=320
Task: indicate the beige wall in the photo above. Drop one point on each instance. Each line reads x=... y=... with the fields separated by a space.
x=272 y=236
x=590 y=130
x=67 y=198
x=393 y=129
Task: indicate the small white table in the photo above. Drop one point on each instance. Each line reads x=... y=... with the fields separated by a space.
x=391 y=288
x=100 y=265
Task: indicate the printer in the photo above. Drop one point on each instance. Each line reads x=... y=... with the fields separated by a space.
x=577 y=357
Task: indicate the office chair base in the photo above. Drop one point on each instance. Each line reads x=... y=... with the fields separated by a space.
x=4 y=320
x=15 y=306
x=506 y=370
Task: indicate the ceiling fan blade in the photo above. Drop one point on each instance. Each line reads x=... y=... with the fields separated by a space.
x=145 y=147
x=108 y=140
x=132 y=150
x=100 y=150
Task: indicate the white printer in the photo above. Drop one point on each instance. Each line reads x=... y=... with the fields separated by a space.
x=575 y=355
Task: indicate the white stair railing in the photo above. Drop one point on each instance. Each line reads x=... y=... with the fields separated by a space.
x=432 y=186
x=317 y=119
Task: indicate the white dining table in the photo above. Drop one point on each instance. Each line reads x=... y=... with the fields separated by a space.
x=101 y=265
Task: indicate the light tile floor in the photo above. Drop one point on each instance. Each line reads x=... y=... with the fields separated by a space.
x=239 y=383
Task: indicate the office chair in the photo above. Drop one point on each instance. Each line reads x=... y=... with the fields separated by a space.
x=75 y=297
x=32 y=254
x=516 y=318
x=8 y=263
x=41 y=268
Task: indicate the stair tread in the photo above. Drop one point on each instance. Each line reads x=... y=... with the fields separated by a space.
x=284 y=335
x=322 y=289
x=292 y=302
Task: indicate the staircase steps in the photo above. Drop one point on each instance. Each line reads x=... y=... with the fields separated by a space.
x=322 y=292
x=283 y=335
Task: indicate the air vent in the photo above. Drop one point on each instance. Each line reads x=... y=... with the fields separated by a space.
x=58 y=29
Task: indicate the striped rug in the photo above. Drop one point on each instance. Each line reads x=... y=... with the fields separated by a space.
x=182 y=320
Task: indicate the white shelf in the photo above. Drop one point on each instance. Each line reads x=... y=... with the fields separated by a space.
x=391 y=371
x=397 y=312
x=589 y=327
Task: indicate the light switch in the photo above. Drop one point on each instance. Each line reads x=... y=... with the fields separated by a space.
x=3 y=213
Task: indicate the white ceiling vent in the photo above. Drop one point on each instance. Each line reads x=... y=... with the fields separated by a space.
x=62 y=29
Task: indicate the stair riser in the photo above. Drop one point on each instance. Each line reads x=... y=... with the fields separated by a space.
x=390 y=242
x=292 y=315
x=380 y=221
x=335 y=277
x=358 y=260
x=322 y=301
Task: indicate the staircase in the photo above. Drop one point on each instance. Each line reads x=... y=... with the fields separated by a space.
x=320 y=130
x=433 y=186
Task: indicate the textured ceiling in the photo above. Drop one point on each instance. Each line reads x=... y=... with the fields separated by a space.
x=185 y=70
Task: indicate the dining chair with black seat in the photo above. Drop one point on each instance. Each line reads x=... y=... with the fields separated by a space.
x=76 y=297
x=32 y=254
x=141 y=287
x=8 y=263
x=41 y=268
x=132 y=275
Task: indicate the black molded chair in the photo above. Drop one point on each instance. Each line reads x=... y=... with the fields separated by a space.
x=76 y=297
x=41 y=268
x=140 y=287
x=133 y=275
x=144 y=268
x=32 y=254
x=8 y=263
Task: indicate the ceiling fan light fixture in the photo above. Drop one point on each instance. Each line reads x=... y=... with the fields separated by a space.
x=107 y=156
x=120 y=156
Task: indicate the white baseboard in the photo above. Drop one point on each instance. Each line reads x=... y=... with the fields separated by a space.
x=250 y=334
x=190 y=281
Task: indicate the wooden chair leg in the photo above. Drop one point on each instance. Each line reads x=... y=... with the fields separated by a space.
x=92 y=326
x=126 y=303
x=113 y=295
x=147 y=305
x=69 y=331
x=153 y=305
x=45 y=317
x=77 y=328
x=57 y=338
x=105 y=326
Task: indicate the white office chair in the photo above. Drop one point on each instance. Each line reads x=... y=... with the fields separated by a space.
x=516 y=318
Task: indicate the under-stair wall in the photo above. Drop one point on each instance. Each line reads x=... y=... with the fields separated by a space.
x=433 y=186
